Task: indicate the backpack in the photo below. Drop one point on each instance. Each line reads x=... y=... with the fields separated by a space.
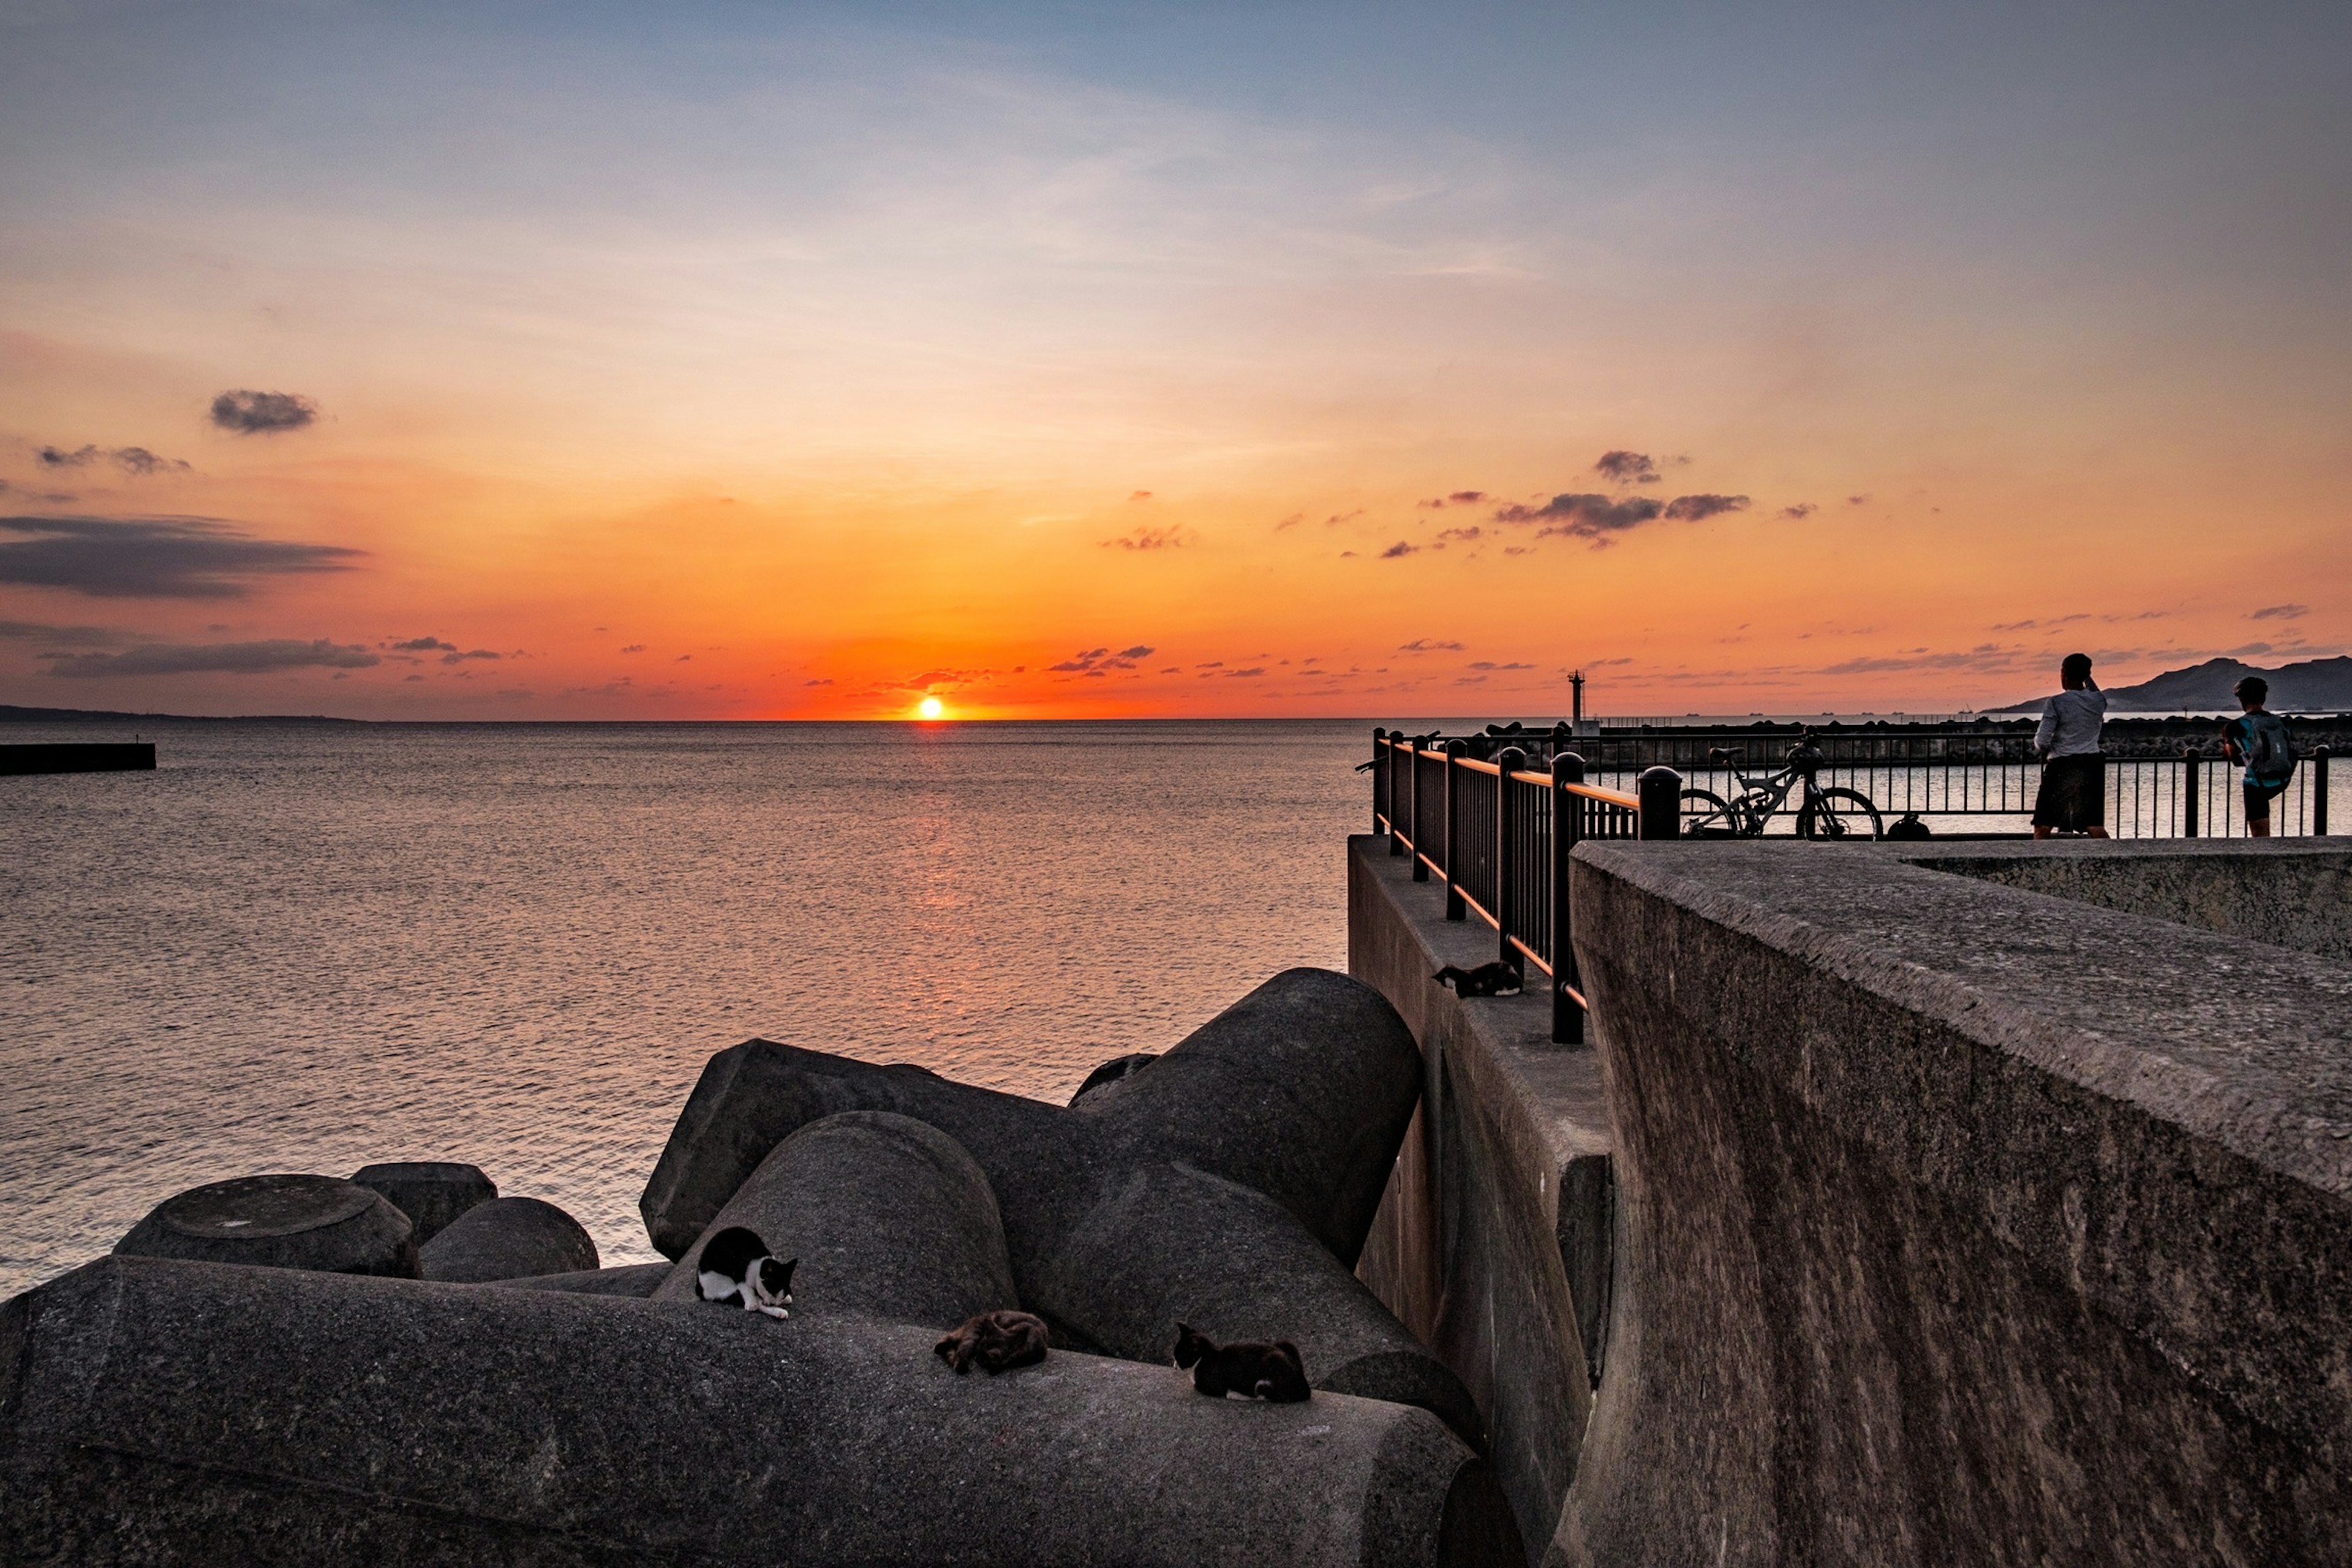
x=2270 y=753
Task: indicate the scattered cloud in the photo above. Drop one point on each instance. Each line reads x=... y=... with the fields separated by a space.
x=250 y=412
x=1249 y=674
x=1489 y=664
x=1458 y=498
x=1584 y=516
x=1699 y=507
x=1627 y=468
x=1986 y=657
x=1293 y=521
x=1399 y=548
x=1336 y=518
x=137 y=462
x=63 y=637
x=1857 y=500
x=229 y=657
x=2280 y=612
x=826 y=681
x=1799 y=512
x=2051 y=624
x=1141 y=495
x=454 y=656
x=681 y=659
x=1464 y=534
x=153 y=557
x=425 y=644
x=1428 y=644
x=1101 y=661
x=635 y=648
x=1173 y=537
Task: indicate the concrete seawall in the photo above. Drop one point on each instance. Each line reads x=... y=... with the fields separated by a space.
x=1971 y=1204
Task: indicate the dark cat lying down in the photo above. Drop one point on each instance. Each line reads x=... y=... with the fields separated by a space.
x=995 y=1342
x=1500 y=978
x=1251 y=1368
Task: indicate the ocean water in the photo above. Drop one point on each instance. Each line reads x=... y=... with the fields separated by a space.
x=308 y=947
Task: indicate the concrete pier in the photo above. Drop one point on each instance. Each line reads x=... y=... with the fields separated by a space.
x=1969 y=1204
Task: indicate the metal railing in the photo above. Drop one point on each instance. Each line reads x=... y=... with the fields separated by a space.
x=1497 y=829
x=1500 y=833
x=2175 y=791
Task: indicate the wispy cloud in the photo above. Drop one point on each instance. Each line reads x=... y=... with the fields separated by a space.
x=63 y=637
x=1400 y=549
x=229 y=658
x=1428 y=644
x=1173 y=537
x=137 y=462
x=2280 y=612
x=154 y=557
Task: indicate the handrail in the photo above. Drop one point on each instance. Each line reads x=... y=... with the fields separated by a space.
x=1503 y=852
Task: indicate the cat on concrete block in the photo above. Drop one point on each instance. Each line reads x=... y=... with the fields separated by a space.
x=1500 y=978
x=1250 y=1368
x=994 y=1343
x=737 y=1269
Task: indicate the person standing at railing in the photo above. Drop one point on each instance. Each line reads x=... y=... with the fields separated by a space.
x=2258 y=739
x=2074 y=793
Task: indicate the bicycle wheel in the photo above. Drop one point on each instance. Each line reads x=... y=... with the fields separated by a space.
x=1839 y=814
x=1707 y=815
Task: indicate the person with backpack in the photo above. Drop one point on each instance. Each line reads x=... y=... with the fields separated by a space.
x=2258 y=739
x=2074 y=793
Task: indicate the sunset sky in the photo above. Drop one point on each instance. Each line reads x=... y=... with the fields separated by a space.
x=775 y=360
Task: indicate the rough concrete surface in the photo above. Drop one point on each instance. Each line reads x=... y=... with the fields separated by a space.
x=431 y=1192
x=377 y=1421
x=507 y=1238
x=625 y=1279
x=1300 y=1091
x=888 y=1216
x=1962 y=1224
x=2288 y=892
x=280 y=1221
x=1493 y=1242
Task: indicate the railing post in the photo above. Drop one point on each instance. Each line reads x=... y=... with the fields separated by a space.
x=1455 y=910
x=2188 y=792
x=1566 y=827
x=1396 y=840
x=1413 y=767
x=1660 y=791
x=1380 y=779
x=2320 y=791
x=1508 y=761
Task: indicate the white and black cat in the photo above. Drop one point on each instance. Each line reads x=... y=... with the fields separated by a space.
x=1500 y=978
x=1251 y=1368
x=736 y=1269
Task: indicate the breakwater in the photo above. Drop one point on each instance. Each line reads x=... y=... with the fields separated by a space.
x=454 y=1402
x=76 y=757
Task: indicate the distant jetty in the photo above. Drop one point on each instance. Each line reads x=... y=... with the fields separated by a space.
x=78 y=757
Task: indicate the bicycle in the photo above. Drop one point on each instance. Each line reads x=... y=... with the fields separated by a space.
x=1833 y=813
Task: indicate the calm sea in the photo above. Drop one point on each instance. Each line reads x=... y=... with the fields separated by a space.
x=307 y=947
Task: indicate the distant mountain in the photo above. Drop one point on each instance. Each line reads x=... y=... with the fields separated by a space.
x=2315 y=686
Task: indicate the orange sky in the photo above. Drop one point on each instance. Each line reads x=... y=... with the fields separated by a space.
x=787 y=367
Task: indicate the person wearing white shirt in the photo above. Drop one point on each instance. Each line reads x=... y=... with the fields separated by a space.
x=2074 y=793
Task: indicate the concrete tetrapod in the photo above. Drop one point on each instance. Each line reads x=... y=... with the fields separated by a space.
x=1300 y=1092
x=431 y=1192
x=888 y=1216
x=625 y=1279
x=557 y=1429
x=280 y=1222
x=507 y=1238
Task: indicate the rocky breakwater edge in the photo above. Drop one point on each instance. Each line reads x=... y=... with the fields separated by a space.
x=402 y=1366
